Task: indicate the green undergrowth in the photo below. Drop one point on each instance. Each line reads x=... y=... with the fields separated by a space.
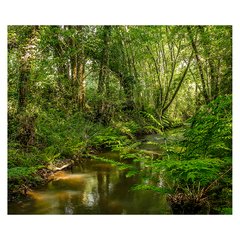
x=210 y=133
x=192 y=164
x=57 y=136
x=195 y=167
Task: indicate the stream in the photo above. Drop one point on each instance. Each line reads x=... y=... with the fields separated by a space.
x=94 y=187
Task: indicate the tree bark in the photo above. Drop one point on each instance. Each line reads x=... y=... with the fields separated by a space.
x=81 y=92
x=102 y=85
x=25 y=58
x=179 y=85
x=199 y=64
x=23 y=85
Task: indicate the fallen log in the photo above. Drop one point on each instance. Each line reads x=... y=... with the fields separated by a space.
x=61 y=168
x=54 y=167
x=151 y=153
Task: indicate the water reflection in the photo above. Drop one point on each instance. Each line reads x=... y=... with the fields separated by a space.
x=95 y=188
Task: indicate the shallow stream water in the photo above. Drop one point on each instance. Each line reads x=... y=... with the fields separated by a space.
x=93 y=187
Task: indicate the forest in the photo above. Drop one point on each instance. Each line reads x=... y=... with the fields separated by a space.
x=113 y=119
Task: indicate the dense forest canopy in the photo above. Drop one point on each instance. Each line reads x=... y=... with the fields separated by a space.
x=165 y=69
x=75 y=87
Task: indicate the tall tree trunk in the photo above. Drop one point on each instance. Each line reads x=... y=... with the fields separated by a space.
x=81 y=90
x=213 y=91
x=26 y=55
x=102 y=85
x=127 y=83
x=179 y=85
x=23 y=84
x=77 y=66
x=199 y=64
x=26 y=132
x=102 y=107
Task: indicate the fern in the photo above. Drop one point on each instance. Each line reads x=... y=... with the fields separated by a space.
x=159 y=123
x=189 y=172
x=211 y=131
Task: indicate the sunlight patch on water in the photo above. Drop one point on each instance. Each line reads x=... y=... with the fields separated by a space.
x=98 y=188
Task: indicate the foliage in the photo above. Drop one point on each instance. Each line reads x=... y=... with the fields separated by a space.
x=211 y=130
x=109 y=138
x=63 y=135
x=158 y=125
x=20 y=179
x=18 y=157
x=128 y=128
x=17 y=173
x=190 y=172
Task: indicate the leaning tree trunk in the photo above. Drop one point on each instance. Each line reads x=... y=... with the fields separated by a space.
x=199 y=64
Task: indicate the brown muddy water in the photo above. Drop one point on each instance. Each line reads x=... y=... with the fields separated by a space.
x=92 y=188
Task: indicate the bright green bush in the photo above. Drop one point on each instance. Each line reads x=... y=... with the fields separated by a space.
x=65 y=135
x=190 y=172
x=20 y=173
x=109 y=138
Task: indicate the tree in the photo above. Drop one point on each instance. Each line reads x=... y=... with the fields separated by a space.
x=25 y=47
x=213 y=58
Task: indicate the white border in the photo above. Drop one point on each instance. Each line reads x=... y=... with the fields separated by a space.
x=236 y=117
x=119 y=12
x=3 y=119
